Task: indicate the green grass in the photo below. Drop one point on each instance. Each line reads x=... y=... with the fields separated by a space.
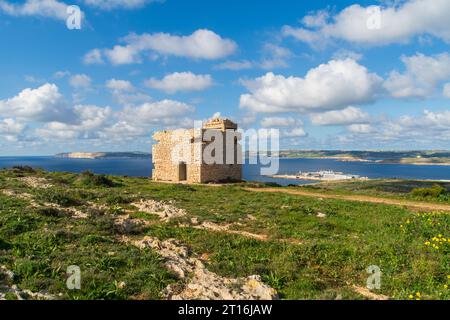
x=305 y=257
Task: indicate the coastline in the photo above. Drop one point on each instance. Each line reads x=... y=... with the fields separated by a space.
x=102 y=155
x=378 y=161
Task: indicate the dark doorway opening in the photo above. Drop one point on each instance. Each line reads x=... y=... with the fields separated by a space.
x=182 y=171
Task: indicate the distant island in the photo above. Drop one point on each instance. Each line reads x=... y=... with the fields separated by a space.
x=387 y=157
x=103 y=155
x=441 y=158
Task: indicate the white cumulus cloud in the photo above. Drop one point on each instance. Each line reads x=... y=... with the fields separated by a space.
x=377 y=25
x=42 y=104
x=80 y=81
x=330 y=86
x=269 y=122
x=421 y=77
x=93 y=57
x=160 y=112
x=118 y=4
x=119 y=85
x=360 y=128
x=90 y=120
x=201 y=44
x=349 y=115
x=11 y=126
x=181 y=81
x=446 y=90
x=235 y=65
x=40 y=8
x=293 y=133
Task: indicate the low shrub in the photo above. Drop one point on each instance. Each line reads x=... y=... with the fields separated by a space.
x=181 y=187
x=4 y=245
x=272 y=185
x=90 y=179
x=115 y=199
x=59 y=196
x=23 y=169
x=435 y=191
x=50 y=212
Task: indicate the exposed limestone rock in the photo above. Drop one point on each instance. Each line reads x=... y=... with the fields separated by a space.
x=203 y=284
x=127 y=225
x=36 y=182
x=75 y=213
x=12 y=193
x=8 y=273
x=19 y=293
x=176 y=256
x=206 y=285
x=226 y=229
x=165 y=211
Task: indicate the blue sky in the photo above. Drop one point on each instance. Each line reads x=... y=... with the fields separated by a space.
x=328 y=74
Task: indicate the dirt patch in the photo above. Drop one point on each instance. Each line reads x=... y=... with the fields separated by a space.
x=366 y=293
x=360 y=198
x=210 y=226
x=165 y=211
x=198 y=282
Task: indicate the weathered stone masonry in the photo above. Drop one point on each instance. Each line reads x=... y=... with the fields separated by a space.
x=190 y=145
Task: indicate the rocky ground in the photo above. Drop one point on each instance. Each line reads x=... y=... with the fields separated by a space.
x=14 y=291
x=196 y=281
x=136 y=239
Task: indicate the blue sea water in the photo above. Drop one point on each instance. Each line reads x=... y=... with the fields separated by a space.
x=143 y=167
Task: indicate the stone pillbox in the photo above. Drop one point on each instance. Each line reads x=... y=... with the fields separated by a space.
x=180 y=155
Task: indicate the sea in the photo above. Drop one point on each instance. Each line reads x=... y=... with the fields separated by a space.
x=142 y=167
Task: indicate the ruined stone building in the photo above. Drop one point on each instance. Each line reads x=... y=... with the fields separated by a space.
x=210 y=154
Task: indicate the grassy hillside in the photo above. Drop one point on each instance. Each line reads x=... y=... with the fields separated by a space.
x=417 y=190
x=303 y=247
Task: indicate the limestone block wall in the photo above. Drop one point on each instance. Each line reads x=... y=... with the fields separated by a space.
x=163 y=168
x=218 y=173
x=223 y=171
x=168 y=168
